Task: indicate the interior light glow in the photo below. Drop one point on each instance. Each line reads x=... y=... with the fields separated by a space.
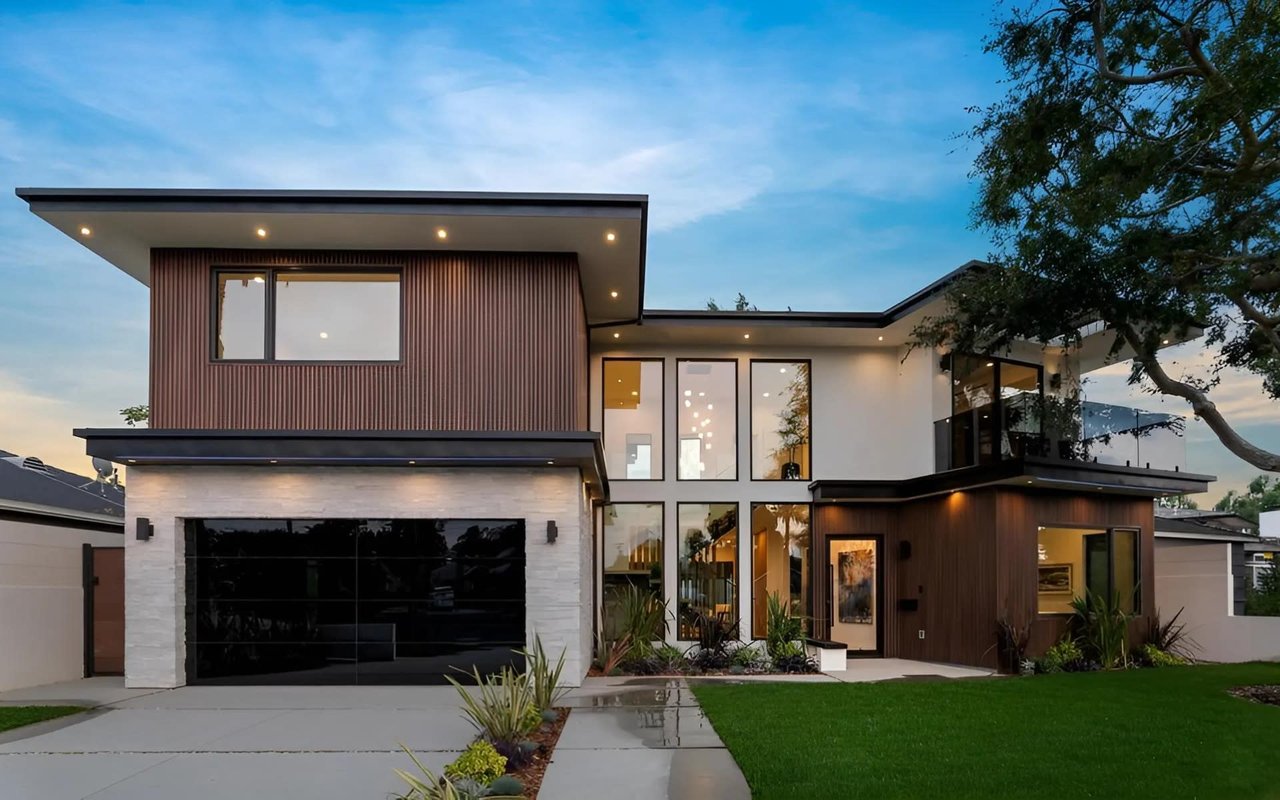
x=614 y=295
x=746 y=336
x=617 y=336
x=324 y=335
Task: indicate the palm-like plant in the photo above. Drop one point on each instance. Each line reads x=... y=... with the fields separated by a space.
x=1102 y=628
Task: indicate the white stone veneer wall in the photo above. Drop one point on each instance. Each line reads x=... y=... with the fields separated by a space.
x=557 y=578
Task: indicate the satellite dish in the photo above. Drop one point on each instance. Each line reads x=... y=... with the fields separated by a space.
x=106 y=475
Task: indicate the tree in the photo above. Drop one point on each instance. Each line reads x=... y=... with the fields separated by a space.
x=1131 y=175
x=741 y=304
x=1177 y=501
x=1262 y=494
x=135 y=414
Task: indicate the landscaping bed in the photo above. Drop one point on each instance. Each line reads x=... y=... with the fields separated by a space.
x=531 y=774
x=1268 y=695
x=1118 y=734
x=17 y=716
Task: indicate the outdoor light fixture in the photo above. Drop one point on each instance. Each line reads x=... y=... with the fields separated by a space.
x=614 y=295
x=552 y=532
x=611 y=237
x=145 y=529
x=746 y=336
x=441 y=233
x=617 y=336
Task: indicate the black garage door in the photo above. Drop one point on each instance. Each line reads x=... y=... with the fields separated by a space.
x=340 y=601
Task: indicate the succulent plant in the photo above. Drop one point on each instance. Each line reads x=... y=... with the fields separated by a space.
x=507 y=785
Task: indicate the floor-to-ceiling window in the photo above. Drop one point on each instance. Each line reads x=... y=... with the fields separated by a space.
x=707 y=577
x=707 y=420
x=631 y=557
x=632 y=434
x=780 y=560
x=780 y=420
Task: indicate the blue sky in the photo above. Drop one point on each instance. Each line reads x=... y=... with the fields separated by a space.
x=807 y=156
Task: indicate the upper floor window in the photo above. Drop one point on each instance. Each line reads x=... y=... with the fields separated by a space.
x=308 y=315
x=633 y=418
x=707 y=394
x=779 y=420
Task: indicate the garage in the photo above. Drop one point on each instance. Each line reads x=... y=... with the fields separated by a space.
x=352 y=601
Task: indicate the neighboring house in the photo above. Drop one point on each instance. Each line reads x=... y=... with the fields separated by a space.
x=1265 y=555
x=398 y=432
x=1201 y=570
x=52 y=525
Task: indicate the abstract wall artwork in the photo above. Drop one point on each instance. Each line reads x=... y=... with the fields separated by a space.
x=857 y=586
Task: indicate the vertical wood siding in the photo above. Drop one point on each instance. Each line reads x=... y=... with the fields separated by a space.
x=973 y=560
x=491 y=342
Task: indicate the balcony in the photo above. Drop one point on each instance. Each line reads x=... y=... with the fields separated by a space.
x=1024 y=425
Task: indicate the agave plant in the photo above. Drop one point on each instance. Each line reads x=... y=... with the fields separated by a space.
x=544 y=678
x=426 y=785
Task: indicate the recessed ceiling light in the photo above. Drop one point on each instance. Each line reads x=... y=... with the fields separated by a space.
x=782 y=369
x=412 y=462
x=693 y=429
x=708 y=445
x=879 y=338
x=85 y=230
x=262 y=233
x=441 y=233
x=710 y=434
x=617 y=336
x=614 y=295
x=133 y=461
x=766 y=394
x=551 y=463
x=259 y=279
x=635 y=394
x=710 y=407
x=695 y=415
x=688 y=393
x=746 y=336
x=273 y=461
x=688 y=403
x=991 y=363
x=1166 y=341
x=611 y=237
x=324 y=335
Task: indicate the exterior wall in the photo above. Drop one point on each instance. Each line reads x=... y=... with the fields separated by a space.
x=489 y=342
x=42 y=600
x=155 y=646
x=1198 y=579
x=973 y=560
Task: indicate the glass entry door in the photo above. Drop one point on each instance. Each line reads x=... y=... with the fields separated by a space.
x=853 y=564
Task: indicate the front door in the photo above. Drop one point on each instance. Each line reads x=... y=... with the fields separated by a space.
x=853 y=564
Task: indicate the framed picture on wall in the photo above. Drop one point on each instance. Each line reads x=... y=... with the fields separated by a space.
x=1054 y=579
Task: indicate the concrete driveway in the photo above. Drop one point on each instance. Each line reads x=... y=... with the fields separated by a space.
x=207 y=742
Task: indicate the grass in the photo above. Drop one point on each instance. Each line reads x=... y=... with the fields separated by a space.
x=1153 y=733
x=16 y=716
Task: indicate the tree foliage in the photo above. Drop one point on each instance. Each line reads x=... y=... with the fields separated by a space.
x=1131 y=176
x=1262 y=494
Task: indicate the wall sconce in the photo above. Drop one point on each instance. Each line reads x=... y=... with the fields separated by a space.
x=552 y=532
x=145 y=529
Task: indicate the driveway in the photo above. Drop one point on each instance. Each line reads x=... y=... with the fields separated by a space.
x=206 y=742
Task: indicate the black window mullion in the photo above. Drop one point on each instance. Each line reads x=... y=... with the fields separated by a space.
x=269 y=350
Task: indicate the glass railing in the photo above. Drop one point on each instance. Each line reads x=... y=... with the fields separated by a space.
x=1025 y=426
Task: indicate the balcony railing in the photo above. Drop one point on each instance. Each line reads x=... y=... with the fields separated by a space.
x=1024 y=425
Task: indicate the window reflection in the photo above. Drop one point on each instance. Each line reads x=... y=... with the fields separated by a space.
x=337 y=316
x=632 y=556
x=633 y=418
x=708 y=566
x=240 y=326
x=780 y=420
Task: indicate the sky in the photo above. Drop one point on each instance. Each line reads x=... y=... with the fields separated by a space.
x=809 y=156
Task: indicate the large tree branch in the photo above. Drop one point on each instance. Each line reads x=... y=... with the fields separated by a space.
x=1200 y=403
x=1104 y=69
x=1252 y=146
x=1266 y=324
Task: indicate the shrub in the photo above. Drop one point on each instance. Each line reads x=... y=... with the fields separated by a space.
x=643 y=620
x=1060 y=657
x=1102 y=629
x=480 y=762
x=748 y=658
x=1156 y=657
x=544 y=679
x=795 y=663
x=426 y=785
x=502 y=709
x=714 y=638
x=1171 y=637
x=1011 y=644
x=782 y=629
x=664 y=660
x=1264 y=599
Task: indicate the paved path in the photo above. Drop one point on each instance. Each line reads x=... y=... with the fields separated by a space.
x=640 y=739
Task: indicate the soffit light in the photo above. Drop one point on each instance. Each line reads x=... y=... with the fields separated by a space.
x=259 y=279
x=85 y=230
x=261 y=232
x=782 y=369
x=617 y=336
x=442 y=234
x=879 y=338
x=324 y=335
x=991 y=363
x=746 y=336
x=614 y=295
x=611 y=237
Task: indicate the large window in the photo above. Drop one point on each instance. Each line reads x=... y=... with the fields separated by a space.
x=995 y=407
x=632 y=395
x=780 y=563
x=780 y=420
x=632 y=556
x=707 y=393
x=307 y=315
x=1076 y=562
x=708 y=571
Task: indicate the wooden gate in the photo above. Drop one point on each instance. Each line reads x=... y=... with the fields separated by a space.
x=104 y=610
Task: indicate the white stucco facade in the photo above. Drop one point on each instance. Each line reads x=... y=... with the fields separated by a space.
x=42 y=600
x=558 y=594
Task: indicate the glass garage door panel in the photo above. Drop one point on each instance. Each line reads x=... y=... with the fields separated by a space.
x=347 y=601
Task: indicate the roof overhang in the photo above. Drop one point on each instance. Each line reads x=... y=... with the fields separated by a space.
x=82 y=518
x=1204 y=536
x=126 y=224
x=406 y=449
x=1026 y=473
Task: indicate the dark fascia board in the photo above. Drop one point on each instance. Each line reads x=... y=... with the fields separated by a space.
x=814 y=319
x=149 y=446
x=213 y=199
x=1043 y=474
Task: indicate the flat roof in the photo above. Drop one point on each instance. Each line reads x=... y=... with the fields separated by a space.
x=607 y=232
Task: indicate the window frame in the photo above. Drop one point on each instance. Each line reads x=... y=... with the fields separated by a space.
x=662 y=413
x=751 y=444
x=808 y=594
x=269 y=274
x=599 y=612
x=997 y=402
x=1096 y=530
x=737 y=451
x=737 y=562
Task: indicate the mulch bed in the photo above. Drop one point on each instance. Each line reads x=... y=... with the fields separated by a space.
x=1268 y=694
x=546 y=737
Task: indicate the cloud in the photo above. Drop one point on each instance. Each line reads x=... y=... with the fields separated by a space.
x=39 y=424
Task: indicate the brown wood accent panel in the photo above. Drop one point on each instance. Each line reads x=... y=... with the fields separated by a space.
x=491 y=342
x=973 y=560
x=108 y=610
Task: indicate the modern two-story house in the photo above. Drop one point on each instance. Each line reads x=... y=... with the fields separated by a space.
x=394 y=433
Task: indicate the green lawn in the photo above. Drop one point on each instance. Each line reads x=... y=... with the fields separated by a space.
x=17 y=716
x=1168 y=733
